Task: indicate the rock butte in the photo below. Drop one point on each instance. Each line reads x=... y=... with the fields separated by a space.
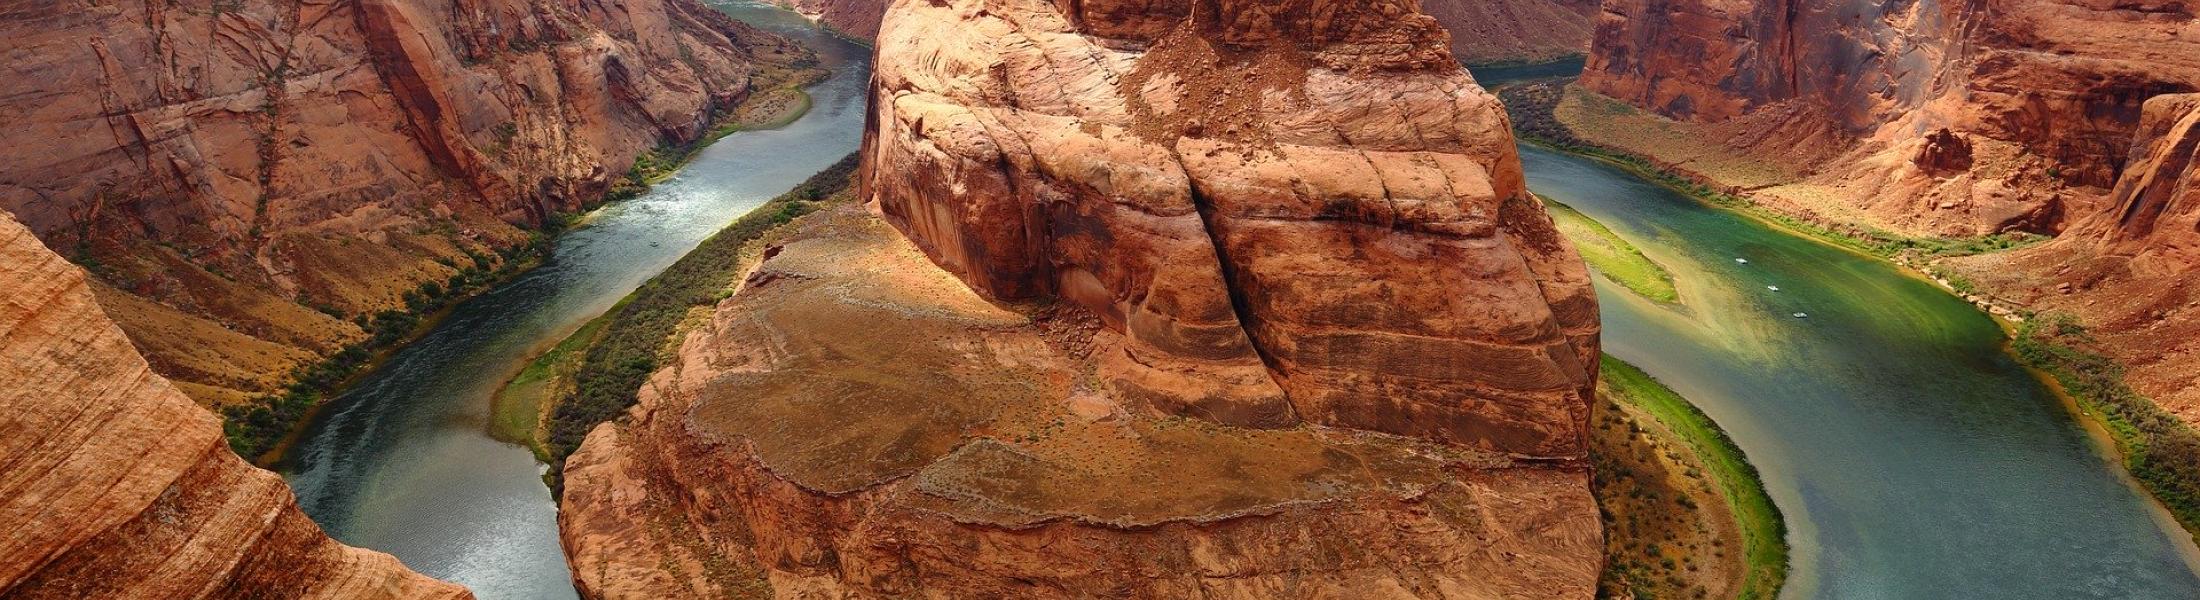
x=1483 y=31
x=248 y=177
x=2064 y=117
x=1150 y=299
x=118 y=486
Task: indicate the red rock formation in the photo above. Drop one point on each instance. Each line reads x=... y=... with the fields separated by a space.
x=260 y=173
x=1515 y=31
x=859 y=18
x=115 y=485
x=1483 y=31
x=1225 y=299
x=2047 y=92
x=2130 y=271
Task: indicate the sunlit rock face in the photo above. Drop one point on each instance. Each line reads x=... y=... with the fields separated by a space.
x=1299 y=214
x=2045 y=94
x=117 y=486
x=250 y=178
x=1136 y=299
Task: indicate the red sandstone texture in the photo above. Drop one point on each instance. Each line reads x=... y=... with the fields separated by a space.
x=1954 y=118
x=1161 y=300
x=1482 y=31
x=2131 y=270
x=247 y=177
x=115 y=485
x=1515 y=31
x=2054 y=116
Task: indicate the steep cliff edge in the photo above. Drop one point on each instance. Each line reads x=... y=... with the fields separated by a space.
x=117 y=486
x=1953 y=118
x=1158 y=300
x=1483 y=31
x=2130 y=271
x=252 y=182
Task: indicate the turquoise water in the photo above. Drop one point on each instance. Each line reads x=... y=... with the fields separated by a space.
x=404 y=463
x=1912 y=457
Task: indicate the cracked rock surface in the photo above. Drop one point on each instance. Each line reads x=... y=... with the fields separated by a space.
x=1144 y=299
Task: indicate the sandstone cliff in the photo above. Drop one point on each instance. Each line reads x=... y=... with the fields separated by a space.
x=2131 y=270
x=117 y=486
x=250 y=180
x=858 y=18
x=1160 y=300
x=1515 y=31
x=1483 y=31
x=1951 y=118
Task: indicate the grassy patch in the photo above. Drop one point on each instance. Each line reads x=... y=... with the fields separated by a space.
x=1534 y=107
x=517 y=413
x=1612 y=256
x=1649 y=568
x=632 y=344
x=2160 y=450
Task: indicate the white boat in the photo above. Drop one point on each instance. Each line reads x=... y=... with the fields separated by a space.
x=1742 y=260
x=1802 y=315
x=1773 y=287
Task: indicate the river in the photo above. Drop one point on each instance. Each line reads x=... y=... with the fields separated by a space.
x=403 y=461
x=1912 y=457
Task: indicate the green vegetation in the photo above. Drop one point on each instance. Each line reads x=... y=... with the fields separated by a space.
x=2159 y=449
x=1534 y=108
x=1763 y=533
x=516 y=414
x=633 y=342
x=260 y=426
x=1612 y=256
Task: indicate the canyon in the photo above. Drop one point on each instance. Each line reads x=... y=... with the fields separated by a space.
x=2054 y=117
x=127 y=489
x=1164 y=299
x=255 y=184
x=1483 y=31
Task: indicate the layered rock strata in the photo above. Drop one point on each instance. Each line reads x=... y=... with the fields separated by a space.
x=1159 y=300
x=115 y=485
x=249 y=180
x=1515 y=31
x=2130 y=271
x=1482 y=31
x=1953 y=118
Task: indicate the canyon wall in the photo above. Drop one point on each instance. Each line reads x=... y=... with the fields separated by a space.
x=1483 y=31
x=2066 y=117
x=115 y=485
x=1515 y=31
x=2130 y=271
x=251 y=181
x=1147 y=300
x=1927 y=118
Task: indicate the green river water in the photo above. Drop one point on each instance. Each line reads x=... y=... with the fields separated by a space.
x=1911 y=456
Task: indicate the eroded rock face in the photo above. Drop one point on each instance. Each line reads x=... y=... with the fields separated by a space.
x=2047 y=92
x=1285 y=231
x=2130 y=271
x=248 y=177
x=1515 y=31
x=115 y=485
x=1160 y=300
x=859 y=18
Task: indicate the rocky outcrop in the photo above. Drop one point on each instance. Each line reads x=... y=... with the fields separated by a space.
x=1482 y=31
x=1515 y=31
x=249 y=180
x=115 y=485
x=858 y=18
x=2130 y=271
x=1160 y=300
x=2044 y=94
